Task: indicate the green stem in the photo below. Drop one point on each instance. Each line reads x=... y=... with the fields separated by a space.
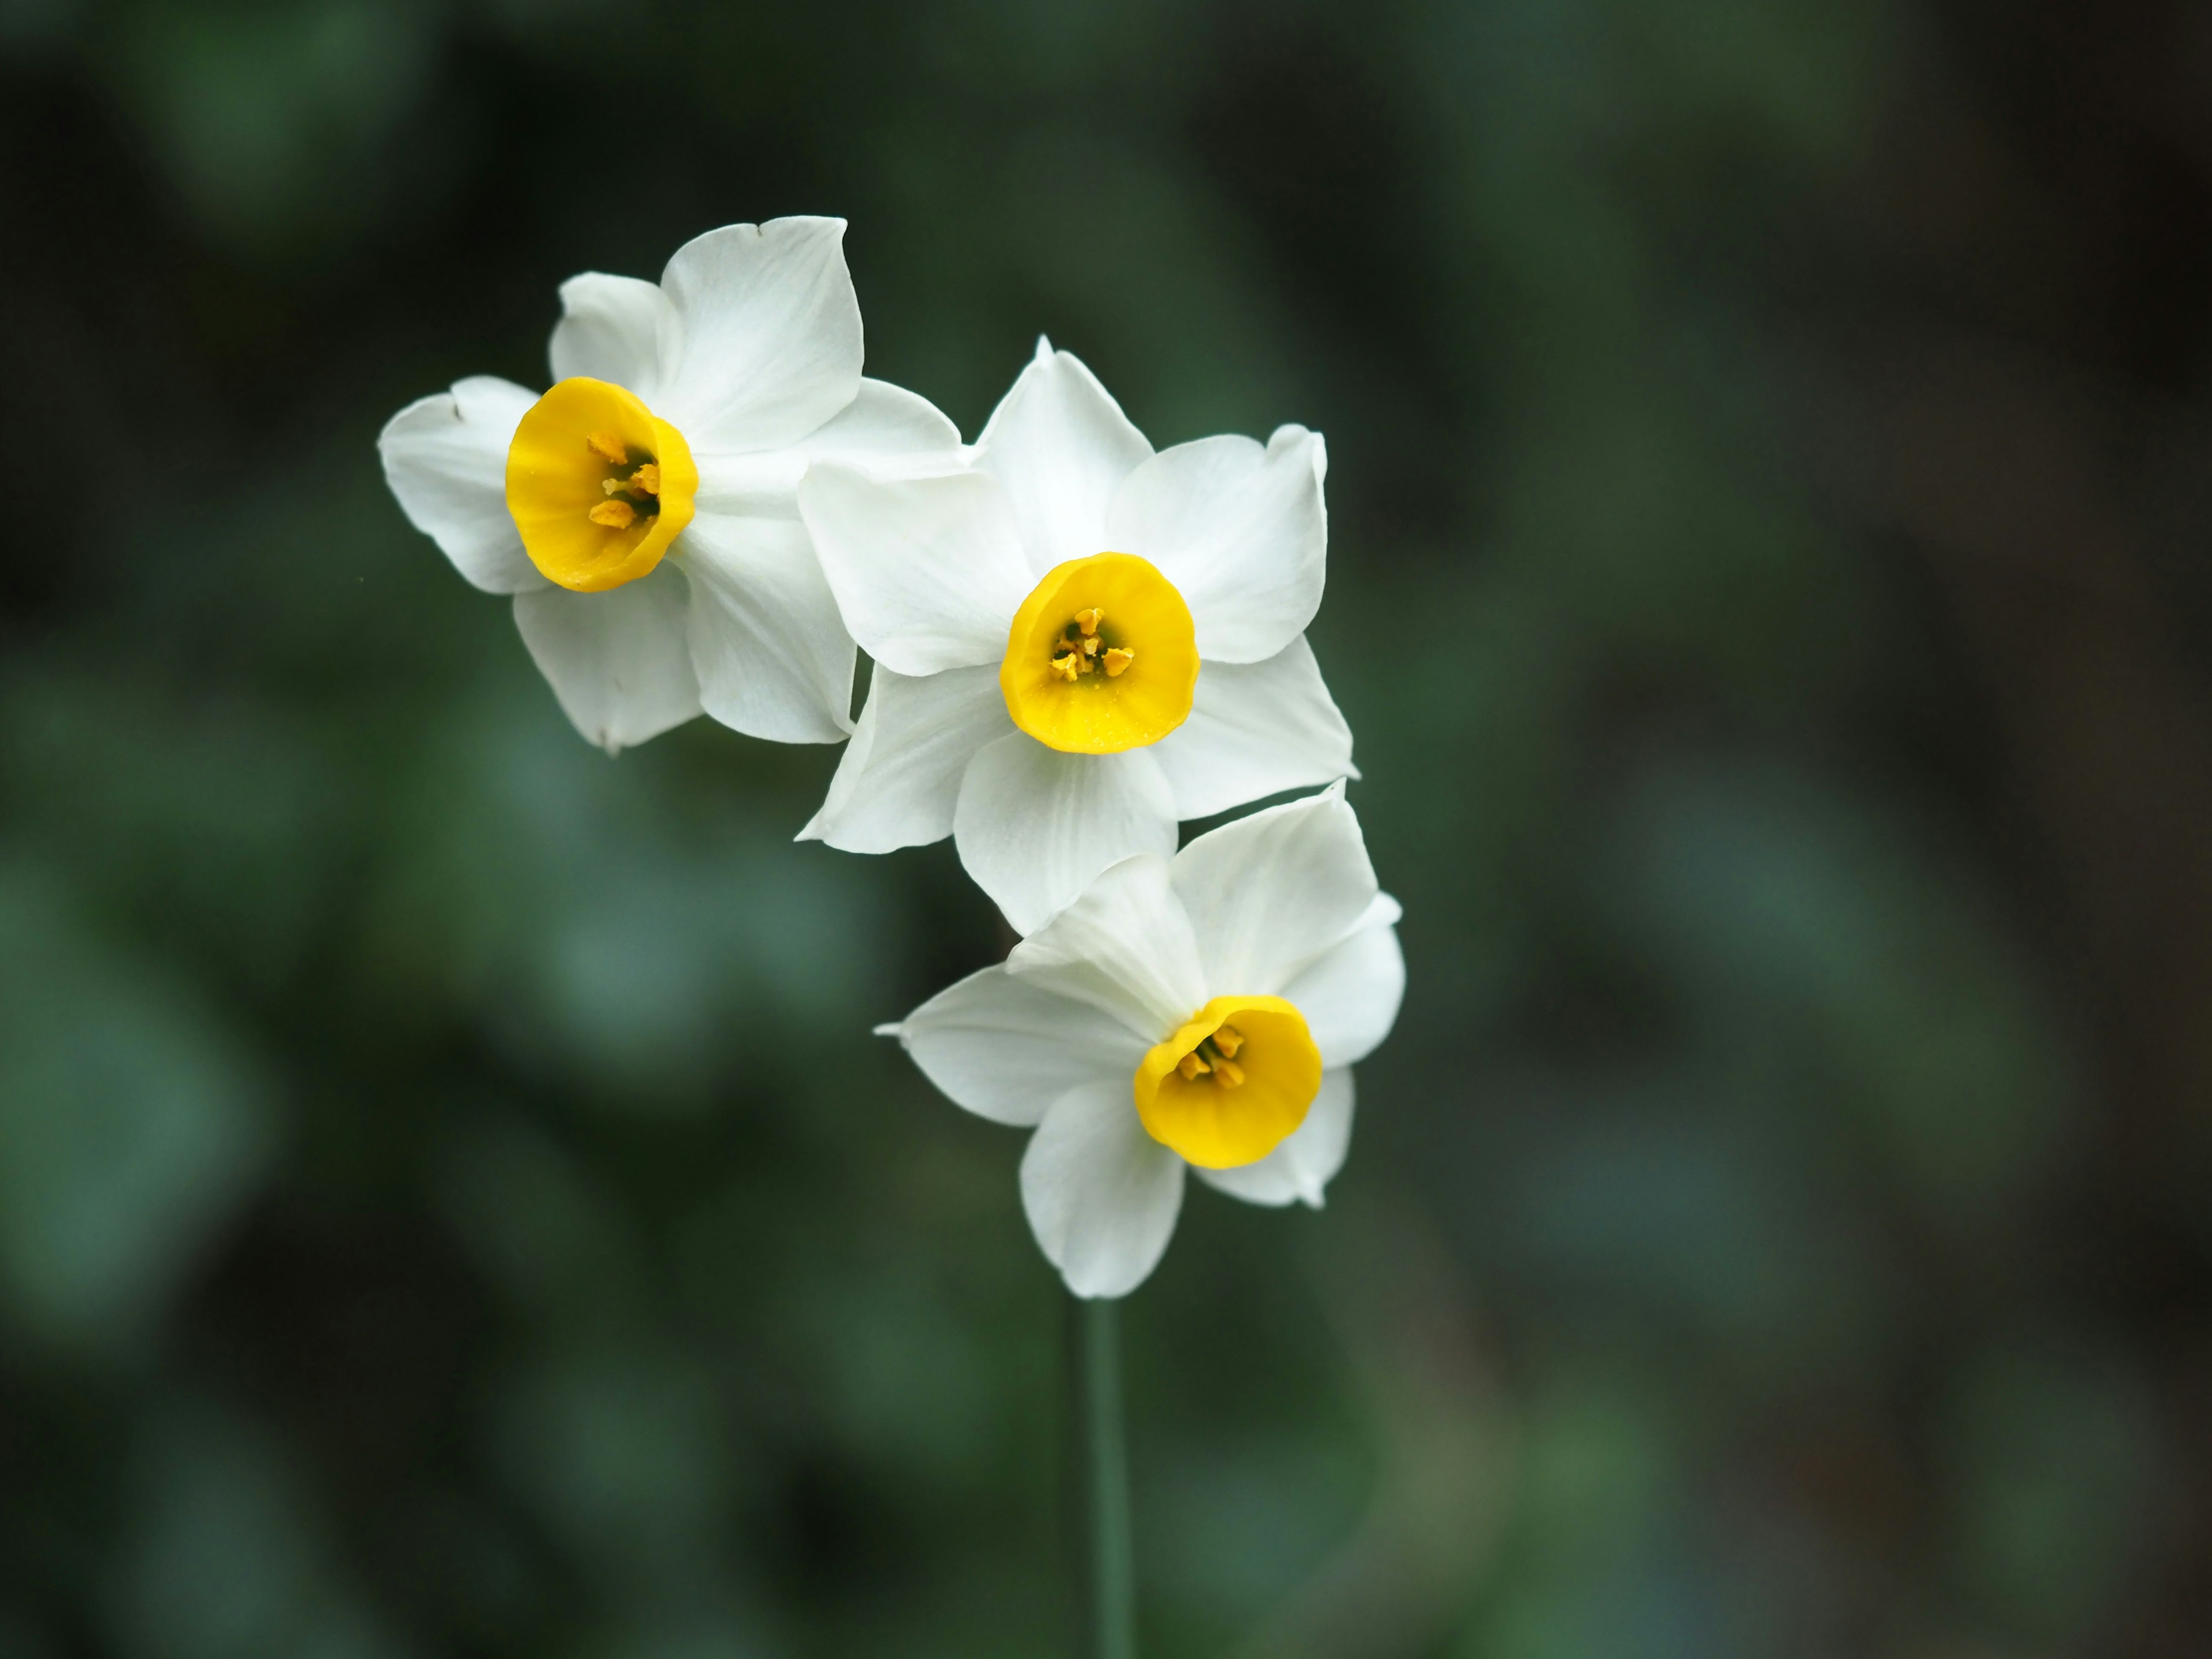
x=1109 y=1580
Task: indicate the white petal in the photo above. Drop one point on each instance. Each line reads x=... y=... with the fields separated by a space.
x=1297 y=1170
x=1242 y=531
x=773 y=659
x=900 y=776
x=1269 y=893
x=617 y=660
x=885 y=426
x=926 y=571
x=1034 y=825
x=1255 y=729
x=1102 y=1196
x=1350 y=993
x=444 y=457
x=1060 y=447
x=1123 y=946
x=769 y=345
x=611 y=329
x=885 y=431
x=1005 y=1049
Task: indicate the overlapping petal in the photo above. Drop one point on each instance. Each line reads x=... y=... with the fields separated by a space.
x=445 y=457
x=928 y=572
x=617 y=660
x=767 y=343
x=611 y=329
x=772 y=657
x=1298 y=1170
x=1034 y=825
x=1006 y=1047
x=1123 y=946
x=885 y=430
x=1255 y=729
x=1269 y=893
x=1060 y=446
x=1242 y=531
x=1101 y=1194
x=1350 y=993
x=899 y=778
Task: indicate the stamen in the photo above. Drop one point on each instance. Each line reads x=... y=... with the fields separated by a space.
x=1228 y=1040
x=1192 y=1066
x=614 y=515
x=1064 y=665
x=646 y=479
x=1228 y=1074
x=608 y=446
x=1088 y=620
x=1118 y=658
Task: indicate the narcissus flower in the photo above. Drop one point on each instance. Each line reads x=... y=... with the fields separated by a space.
x=1077 y=642
x=1199 y=1013
x=642 y=512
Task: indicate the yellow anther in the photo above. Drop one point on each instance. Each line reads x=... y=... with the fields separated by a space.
x=608 y=446
x=1065 y=665
x=1191 y=1067
x=1228 y=1040
x=646 y=479
x=1117 y=659
x=1088 y=620
x=616 y=515
x=1228 y=1074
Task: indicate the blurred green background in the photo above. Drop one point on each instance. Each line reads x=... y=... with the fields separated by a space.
x=450 y=1203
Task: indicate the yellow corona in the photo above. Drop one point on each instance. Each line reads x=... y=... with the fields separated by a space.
x=1232 y=1084
x=598 y=485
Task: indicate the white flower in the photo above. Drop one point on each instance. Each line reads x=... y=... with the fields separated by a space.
x=1038 y=623
x=643 y=512
x=1204 y=1011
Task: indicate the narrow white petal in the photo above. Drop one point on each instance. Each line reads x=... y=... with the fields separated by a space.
x=444 y=457
x=611 y=329
x=900 y=776
x=1350 y=993
x=1269 y=893
x=1255 y=729
x=926 y=571
x=1299 y=1169
x=1123 y=946
x=1034 y=825
x=1102 y=1196
x=617 y=660
x=885 y=431
x=1060 y=447
x=773 y=659
x=1241 y=530
x=769 y=343
x=1007 y=1050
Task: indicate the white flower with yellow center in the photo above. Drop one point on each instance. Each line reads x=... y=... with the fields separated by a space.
x=1077 y=642
x=1203 y=1012
x=643 y=512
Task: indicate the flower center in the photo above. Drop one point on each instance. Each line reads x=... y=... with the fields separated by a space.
x=1232 y=1084
x=1101 y=657
x=598 y=485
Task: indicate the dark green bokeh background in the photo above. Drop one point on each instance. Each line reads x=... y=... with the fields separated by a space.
x=450 y=1203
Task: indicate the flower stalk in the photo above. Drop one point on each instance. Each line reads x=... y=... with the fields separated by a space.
x=1106 y=1565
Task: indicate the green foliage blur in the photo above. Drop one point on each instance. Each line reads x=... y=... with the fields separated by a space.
x=450 y=1202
